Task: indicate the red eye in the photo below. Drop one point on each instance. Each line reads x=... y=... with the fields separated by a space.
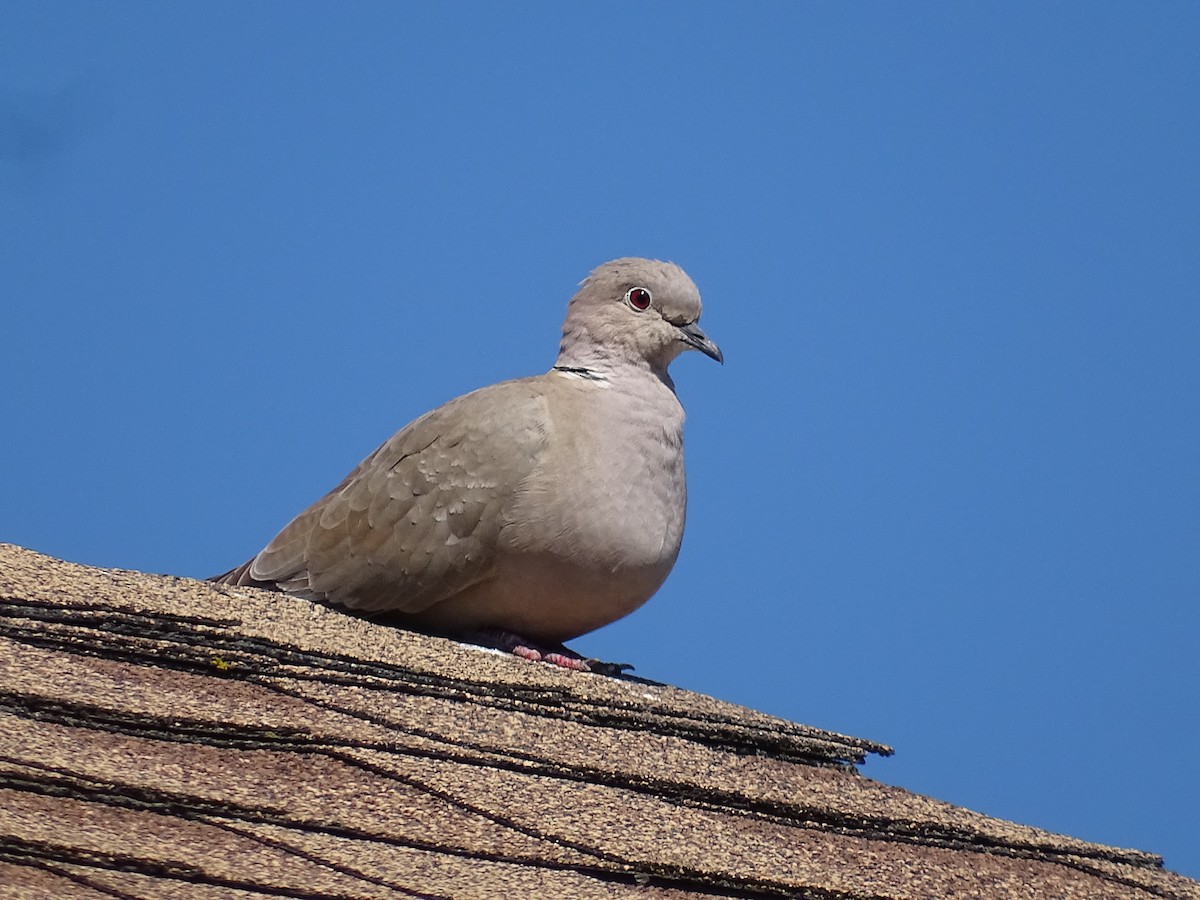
x=639 y=298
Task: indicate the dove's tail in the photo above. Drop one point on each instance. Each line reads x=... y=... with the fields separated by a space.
x=241 y=576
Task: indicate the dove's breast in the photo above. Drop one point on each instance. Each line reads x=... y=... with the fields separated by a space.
x=596 y=527
x=611 y=494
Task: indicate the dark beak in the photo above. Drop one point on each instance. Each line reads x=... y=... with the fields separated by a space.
x=698 y=340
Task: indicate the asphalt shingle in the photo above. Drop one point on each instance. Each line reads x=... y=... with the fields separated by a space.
x=166 y=737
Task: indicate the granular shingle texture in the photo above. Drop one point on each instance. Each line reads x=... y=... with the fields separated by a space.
x=165 y=737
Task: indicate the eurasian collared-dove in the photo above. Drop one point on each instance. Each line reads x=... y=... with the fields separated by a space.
x=533 y=510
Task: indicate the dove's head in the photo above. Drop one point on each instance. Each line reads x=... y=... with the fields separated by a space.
x=631 y=310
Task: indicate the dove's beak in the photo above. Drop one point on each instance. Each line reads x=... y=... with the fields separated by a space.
x=698 y=340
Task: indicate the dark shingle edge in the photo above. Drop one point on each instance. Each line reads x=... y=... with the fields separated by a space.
x=214 y=646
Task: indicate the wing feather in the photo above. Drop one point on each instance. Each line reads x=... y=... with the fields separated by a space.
x=417 y=521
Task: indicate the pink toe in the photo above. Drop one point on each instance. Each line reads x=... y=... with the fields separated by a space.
x=527 y=653
x=566 y=662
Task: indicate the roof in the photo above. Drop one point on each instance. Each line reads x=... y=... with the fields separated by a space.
x=167 y=737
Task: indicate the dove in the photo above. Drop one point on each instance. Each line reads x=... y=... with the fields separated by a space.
x=529 y=512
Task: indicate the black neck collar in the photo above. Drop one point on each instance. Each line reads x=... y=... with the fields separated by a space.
x=581 y=372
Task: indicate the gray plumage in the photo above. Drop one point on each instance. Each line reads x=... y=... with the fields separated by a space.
x=545 y=506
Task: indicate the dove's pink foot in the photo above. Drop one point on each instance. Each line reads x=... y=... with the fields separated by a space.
x=526 y=649
x=526 y=653
x=567 y=662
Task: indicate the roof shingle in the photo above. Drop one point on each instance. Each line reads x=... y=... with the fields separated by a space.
x=161 y=736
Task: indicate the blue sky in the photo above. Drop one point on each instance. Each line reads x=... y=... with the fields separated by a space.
x=944 y=492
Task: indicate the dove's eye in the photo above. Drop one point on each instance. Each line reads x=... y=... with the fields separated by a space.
x=639 y=298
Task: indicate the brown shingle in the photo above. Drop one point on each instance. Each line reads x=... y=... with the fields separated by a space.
x=165 y=737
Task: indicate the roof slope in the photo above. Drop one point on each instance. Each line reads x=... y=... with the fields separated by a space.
x=166 y=737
